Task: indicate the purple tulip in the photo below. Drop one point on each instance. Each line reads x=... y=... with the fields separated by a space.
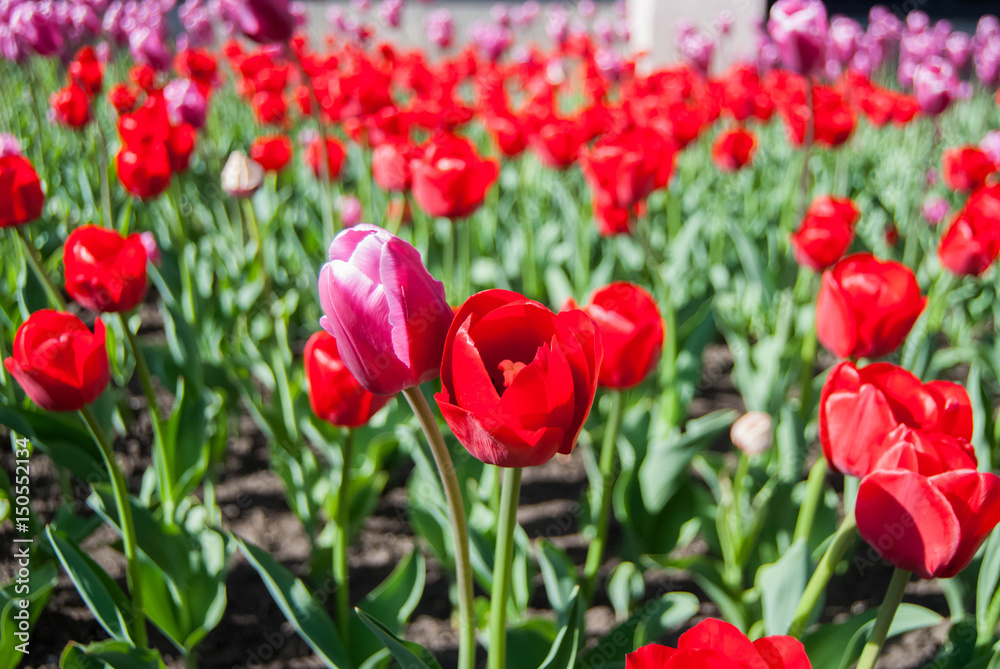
x=586 y=8
x=9 y=145
x=843 y=39
x=440 y=28
x=185 y=103
x=798 y=29
x=148 y=241
x=263 y=21
x=958 y=49
x=991 y=145
x=697 y=48
x=500 y=14
x=917 y=21
x=389 y=315
x=35 y=24
x=391 y=12
x=491 y=38
x=987 y=61
x=349 y=208
x=146 y=46
x=934 y=85
x=557 y=25
x=934 y=209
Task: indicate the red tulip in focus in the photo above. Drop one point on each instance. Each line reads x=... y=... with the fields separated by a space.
x=21 y=197
x=60 y=364
x=391 y=165
x=104 y=271
x=87 y=71
x=965 y=169
x=517 y=381
x=826 y=232
x=272 y=152
x=931 y=525
x=867 y=306
x=714 y=644
x=335 y=155
x=972 y=242
x=334 y=394
x=734 y=149
x=631 y=330
x=450 y=179
x=71 y=106
x=860 y=407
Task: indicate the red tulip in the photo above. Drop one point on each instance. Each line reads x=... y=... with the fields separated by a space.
x=180 y=146
x=199 y=65
x=860 y=407
x=509 y=132
x=930 y=525
x=972 y=242
x=144 y=172
x=922 y=452
x=123 y=97
x=965 y=169
x=517 y=381
x=335 y=155
x=272 y=152
x=557 y=141
x=21 y=197
x=86 y=71
x=450 y=178
x=734 y=149
x=104 y=271
x=826 y=232
x=714 y=644
x=71 y=106
x=391 y=165
x=867 y=306
x=622 y=169
x=60 y=364
x=631 y=330
x=334 y=394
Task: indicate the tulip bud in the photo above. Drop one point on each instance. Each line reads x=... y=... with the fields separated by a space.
x=387 y=313
x=241 y=177
x=60 y=364
x=798 y=29
x=148 y=240
x=753 y=433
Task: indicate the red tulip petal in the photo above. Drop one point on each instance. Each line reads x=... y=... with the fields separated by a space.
x=724 y=639
x=471 y=382
x=782 y=652
x=975 y=499
x=542 y=394
x=835 y=324
x=653 y=656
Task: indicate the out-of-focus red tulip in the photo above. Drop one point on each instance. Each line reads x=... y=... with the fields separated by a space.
x=391 y=165
x=145 y=170
x=335 y=155
x=122 y=97
x=867 y=306
x=58 y=361
x=971 y=243
x=104 y=271
x=86 y=71
x=334 y=394
x=624 y=168
x=517 y=381
x=272 y=152
x=71 y=106
x=826 y=232
x=733 y=149
x=966 y=168
x=449 y=177
x=21 y=197
x=860 y=407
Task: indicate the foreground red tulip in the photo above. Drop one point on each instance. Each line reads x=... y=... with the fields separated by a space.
x=860 y=407
x=631 y=330
x=714 y=644
x=517 y=381
x=387 y=313
x=733 y=149
x=930 y=525
x=867 y=306
x=60 y=364
x=272 y=152
x=965 y=169
x=826 y=232
x=450 y=178
x=104 y=271
x=21 y=197
x=972 y=241
x=334 y=394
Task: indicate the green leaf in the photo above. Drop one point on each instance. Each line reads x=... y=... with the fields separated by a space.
x=391 y=603
x=110 y=606
x=781 y=585
x=558 y=575
x=305 y=614
x=567 y=644
x=109 y=655
x=408 y=654
x=989 y=575
x=42 y=580
x=625 y=587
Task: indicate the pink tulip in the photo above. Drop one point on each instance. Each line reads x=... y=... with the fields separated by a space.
x=799 y=30
x=387 y=313
x=185 y=103
x=934 y=85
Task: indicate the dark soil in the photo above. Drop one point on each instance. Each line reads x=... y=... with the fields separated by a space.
x=251 y=497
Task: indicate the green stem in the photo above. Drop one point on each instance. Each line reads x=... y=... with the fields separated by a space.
x=448 y=257
x=987 y=629
x=670 y=401
x=125 y=520
x=465 y=249
x=102 y=153
x=340 y=567
x=886 y=612
x=808 y=360
x=460 y=529
x=502 y=562
x=163 y=469
x=31 y=258
x=814 y=492
x=595 y=552
x=842 y=540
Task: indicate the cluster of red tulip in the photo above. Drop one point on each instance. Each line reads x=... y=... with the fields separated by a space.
x=971 y=242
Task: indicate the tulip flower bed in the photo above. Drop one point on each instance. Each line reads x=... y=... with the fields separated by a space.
x=344 y=355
